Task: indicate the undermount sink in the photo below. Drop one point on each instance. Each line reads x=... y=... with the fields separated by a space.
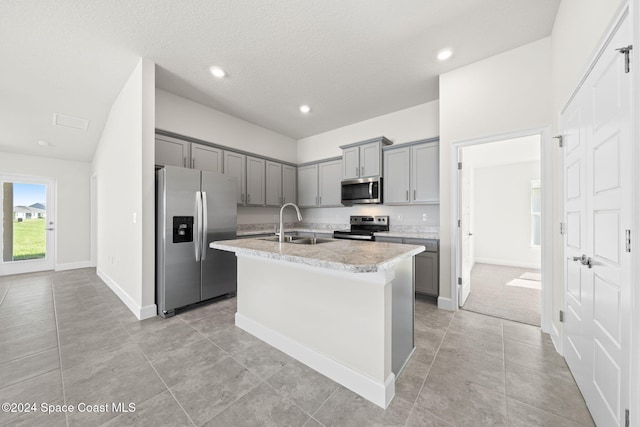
x=310 y=241
x=298 y=240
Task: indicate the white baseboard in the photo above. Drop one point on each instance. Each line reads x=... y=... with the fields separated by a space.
x=447 y=304
x=556 y=339
x=508 y=263
x=141 y=313
x=73 y=265
x=376 y=392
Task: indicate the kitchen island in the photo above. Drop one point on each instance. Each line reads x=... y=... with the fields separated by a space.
x=343 y=307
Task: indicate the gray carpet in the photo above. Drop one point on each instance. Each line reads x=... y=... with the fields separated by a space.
x=491 y=295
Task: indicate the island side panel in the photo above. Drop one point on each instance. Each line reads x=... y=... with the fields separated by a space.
x=402 y=314
x=343 y=316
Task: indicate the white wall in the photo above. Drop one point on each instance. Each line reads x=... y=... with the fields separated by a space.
x=73 y=203
x=185 y=117
x=505 y=93
x=123 y=165
x=502 y=215
x=406 y=125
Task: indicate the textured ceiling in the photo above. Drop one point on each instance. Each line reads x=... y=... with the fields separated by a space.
x=349 y=60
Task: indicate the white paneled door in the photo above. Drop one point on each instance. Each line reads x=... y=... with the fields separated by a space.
x=464 y=235
x=596 y=130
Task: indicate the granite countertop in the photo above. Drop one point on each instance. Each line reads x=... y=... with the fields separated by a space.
x=343 y=255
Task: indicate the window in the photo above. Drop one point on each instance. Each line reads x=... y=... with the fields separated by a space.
x=536 y=221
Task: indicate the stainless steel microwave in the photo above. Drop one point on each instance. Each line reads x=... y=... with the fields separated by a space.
x=362 y=191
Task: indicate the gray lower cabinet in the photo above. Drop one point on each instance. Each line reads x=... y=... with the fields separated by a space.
x=426 y=272
x=427 y=279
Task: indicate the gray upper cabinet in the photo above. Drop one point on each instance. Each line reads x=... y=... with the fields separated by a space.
x=308 y=185
x=319 y=184
x=425 y=173
x=255 y=181
x=289 y=184
x=206 y=158
x=396 y=185
x=329 y=179
x=172 y=152
x=351 y=163
x=234 y=165
x=411 y=173
x=273 y=191
x=363 y=159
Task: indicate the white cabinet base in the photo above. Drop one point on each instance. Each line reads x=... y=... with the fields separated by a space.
x=336 y=322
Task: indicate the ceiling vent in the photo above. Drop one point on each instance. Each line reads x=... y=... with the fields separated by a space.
x=70 y=122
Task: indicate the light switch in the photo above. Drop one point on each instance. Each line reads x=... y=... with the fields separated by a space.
x=135 y=217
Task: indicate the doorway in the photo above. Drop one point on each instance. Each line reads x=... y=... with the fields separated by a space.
x=500 y=231
x=27 y=232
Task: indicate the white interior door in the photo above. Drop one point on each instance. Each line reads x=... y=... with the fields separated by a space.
x=465 y=235
x=596 y=127
x=28 y=224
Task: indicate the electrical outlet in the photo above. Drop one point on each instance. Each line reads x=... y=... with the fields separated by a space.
x=400 y=217
x=424 y=217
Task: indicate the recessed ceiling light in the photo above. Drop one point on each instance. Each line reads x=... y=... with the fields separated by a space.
x=444 y=54
x=305 y=109
x=217 y=72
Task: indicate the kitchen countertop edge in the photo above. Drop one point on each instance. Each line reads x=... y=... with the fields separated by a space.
x=321 y=257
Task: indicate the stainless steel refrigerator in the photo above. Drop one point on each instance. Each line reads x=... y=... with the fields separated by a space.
x=193 y=209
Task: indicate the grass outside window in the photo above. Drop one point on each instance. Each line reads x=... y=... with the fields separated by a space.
x=29 y=239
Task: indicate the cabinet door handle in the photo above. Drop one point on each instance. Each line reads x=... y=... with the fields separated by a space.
x=193 y=163
x=242 y=197
x=184 y=161
x=356 y=171
x=320 y=200
x=248 y=197
x=407 y=195
x=361 y=171
x=414 y=195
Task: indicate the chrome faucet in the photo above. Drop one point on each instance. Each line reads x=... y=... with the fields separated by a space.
x=281 y=234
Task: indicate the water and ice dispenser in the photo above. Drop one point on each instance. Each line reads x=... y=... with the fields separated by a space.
x=182 y=229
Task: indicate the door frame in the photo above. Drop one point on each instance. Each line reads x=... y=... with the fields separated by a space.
x=546 y=244
x=49 y=263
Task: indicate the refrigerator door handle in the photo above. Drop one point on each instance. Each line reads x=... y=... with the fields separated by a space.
x=198 y=232
x=204 y=226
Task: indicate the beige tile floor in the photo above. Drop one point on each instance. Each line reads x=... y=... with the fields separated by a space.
x=65 y=338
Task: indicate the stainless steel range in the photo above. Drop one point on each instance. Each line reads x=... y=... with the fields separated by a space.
x=363 y=227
